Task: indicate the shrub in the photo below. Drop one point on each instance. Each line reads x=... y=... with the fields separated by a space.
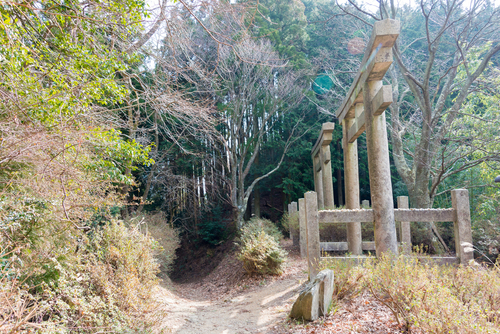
x=437 y=299
x=262 y=254
x=348 y=277
x=425 y=298
x=260 y=250
x=256 y=225
x=156 y=226
x=106 y=283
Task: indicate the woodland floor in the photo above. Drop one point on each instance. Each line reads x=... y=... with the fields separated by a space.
x=229 y=302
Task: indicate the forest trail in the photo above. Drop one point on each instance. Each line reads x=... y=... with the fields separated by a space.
x=255 y=311
x=229 y=302
x=247 y=305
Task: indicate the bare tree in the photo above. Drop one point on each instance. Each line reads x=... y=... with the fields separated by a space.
x=254 y=97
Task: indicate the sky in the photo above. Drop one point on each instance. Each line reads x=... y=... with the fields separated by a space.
x=374 y=3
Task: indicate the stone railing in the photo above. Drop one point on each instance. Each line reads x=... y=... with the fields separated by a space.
x=310 y=218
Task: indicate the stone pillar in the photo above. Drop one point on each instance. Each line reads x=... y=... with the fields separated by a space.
x=405 y=231
x=365 y=204
x=326 y=173
x=293 y=219
x=303 y=228
x=462 y=225
x=351 y=181
x=318 y=181
x=380 y=174
x=288 y=211
x=313 y=249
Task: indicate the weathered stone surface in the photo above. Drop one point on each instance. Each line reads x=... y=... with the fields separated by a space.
x=313 y=252
x=343 y=246
x=462 y=225
x=314 y=301
x=303 y=228
x=307 y=304
x=379 y=170
x=405 y=231
x=294 y=223
x=325 y=279
x=351 y=177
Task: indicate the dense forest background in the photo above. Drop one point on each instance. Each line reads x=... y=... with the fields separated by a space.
x=270 y=73
x=188 y=118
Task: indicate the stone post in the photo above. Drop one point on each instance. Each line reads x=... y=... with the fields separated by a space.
x=318 y=181
x=380 y=174
x=462 y=225
x=293 y=219
x=289 y=227
x=405 y=231
x=326 y=172
x=313 y=249
x=365 y=204
x=303 y=228
x=351 y=181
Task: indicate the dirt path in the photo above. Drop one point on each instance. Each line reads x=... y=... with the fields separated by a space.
x=228 y=302
x=254 y=305
x=254 y=311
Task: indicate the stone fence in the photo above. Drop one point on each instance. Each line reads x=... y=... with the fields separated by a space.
x=310 y=218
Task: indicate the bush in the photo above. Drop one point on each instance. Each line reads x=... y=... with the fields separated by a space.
x=156 y=226
x=289 y=222
x=348 y=277
x=106 y=283
x=256 y=225
x=426 y=298
x=260 y=250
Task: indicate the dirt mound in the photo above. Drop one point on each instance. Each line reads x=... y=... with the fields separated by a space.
x=229 y=278
x=195 y=262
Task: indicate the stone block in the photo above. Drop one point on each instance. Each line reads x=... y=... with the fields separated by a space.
x=315 y=299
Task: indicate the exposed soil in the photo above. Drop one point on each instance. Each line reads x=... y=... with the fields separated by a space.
x=228 y=301
x=195 y=262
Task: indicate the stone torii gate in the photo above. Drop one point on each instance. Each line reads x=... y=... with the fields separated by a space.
x=363 y=109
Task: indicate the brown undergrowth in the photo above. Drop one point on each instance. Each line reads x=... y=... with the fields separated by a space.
x=103 y=284
x=405 y=295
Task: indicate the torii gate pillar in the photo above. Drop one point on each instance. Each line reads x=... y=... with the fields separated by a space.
x=351 y=182
x=379 y=169
x=364 y=109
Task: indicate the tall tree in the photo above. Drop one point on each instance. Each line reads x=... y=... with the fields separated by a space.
x=264 y=88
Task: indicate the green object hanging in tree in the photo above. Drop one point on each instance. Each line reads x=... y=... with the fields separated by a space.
x=322 y=84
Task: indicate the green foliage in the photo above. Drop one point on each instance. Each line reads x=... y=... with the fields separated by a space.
x=283 y=22
x=212 y=229
x=75 y=64
x=113 y=155
x=260 y=250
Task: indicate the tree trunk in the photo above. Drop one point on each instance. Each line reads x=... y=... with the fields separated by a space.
x=420 y=198
x=256 y=202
